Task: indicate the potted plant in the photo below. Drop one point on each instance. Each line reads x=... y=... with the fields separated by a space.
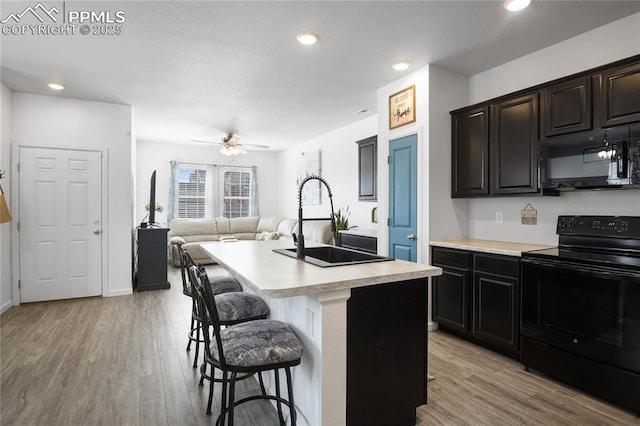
x=342 y=223
x=147 y=208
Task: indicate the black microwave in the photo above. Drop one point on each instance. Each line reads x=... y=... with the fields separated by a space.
x=606 y=158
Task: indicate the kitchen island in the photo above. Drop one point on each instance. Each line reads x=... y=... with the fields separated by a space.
x=363 y=328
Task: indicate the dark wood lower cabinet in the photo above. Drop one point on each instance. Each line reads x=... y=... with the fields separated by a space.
x=477 y=298
x=495 y=300
x=151 y=259
x=387 y=353
x=359 y=242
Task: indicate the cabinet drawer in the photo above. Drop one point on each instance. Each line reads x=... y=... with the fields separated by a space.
x=496 y=264
x=452 y=257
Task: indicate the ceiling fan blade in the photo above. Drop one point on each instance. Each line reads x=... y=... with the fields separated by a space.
x=208 y=142
x=255 y=145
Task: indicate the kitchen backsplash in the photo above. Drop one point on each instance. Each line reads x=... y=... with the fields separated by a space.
x=483 y=213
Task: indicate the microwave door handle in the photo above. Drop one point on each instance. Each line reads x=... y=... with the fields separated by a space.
x=622 y=160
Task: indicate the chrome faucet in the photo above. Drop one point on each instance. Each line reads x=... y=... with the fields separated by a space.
x=299 y=240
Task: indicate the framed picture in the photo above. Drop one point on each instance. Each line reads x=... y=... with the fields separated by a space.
x=402 y=107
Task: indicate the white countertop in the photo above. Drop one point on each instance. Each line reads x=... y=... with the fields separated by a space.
x=371 y=233
x=489 y=246
x=272 y=274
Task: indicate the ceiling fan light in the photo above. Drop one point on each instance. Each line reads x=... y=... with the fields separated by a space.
x=515 y=5
x=226 y=150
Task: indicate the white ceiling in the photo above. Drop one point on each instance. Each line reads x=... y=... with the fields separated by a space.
x=195 y=69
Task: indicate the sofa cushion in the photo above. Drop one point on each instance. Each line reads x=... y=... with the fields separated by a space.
x=197 y=238
x=317 y=230
x=268 y=224
x=286 y=227
x=224 y=227
x=184 y=227
x=243 y=228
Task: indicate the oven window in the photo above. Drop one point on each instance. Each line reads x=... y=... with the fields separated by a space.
x=589 y=305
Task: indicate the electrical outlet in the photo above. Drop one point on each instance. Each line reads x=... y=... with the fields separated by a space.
x=499 y=217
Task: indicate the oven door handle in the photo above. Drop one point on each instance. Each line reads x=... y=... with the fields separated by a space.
x=581 y=268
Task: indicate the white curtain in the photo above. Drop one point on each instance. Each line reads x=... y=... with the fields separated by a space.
x=213 y=189
x=254 y=205
x=172 y=208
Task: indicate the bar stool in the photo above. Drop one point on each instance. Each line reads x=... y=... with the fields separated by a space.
x=235 y=305
x=247 y=348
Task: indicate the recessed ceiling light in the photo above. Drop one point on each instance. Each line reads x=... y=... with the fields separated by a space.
x=308 y=38
x=401 y=65
x=515 y=5
x=361 y=111
x=55 y=86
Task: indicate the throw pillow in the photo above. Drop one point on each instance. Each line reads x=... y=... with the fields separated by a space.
x=265 y=236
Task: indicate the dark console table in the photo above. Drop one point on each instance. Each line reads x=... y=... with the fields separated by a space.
x=151 y=259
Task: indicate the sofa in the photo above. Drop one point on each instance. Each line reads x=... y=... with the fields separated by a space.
x=192 y=232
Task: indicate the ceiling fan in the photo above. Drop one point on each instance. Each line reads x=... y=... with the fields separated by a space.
x=231 y=145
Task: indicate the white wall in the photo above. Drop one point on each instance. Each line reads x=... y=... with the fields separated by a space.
x=618 y=40
x=49 y=121
x=6 y=291
x=609 y=43
x=338 y=165
x=419 y=78
x=152 y=156
x=448 y=217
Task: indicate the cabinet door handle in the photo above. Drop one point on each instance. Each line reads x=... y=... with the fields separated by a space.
x=411 y=237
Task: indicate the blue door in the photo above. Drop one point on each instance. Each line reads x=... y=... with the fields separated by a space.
x=403 y=195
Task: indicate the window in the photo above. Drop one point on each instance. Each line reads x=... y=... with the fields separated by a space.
x=191 y=191
x=213 y=190
x=237 y=193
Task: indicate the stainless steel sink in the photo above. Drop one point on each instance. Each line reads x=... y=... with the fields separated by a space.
x=333 y=256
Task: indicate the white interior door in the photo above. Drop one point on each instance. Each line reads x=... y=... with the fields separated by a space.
x=60 y=224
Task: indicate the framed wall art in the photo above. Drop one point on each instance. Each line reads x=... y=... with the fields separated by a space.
x=402 y=107
x=309 y=164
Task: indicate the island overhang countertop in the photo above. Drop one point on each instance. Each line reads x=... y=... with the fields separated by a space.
x=256 y=265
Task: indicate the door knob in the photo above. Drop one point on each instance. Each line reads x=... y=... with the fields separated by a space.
x=411 y=237
x=97 y=232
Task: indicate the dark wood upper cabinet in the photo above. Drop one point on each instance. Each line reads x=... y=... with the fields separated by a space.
x=566 y=107
x=514 y=145
x=494 y=144
x=470 y=152
x=617 y=99
x=368 y=169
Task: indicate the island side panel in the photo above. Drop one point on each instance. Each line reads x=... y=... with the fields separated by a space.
x=387 y=353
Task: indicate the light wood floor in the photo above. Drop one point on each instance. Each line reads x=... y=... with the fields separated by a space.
x=122 y=361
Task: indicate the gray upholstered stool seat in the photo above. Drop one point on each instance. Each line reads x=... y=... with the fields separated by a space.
x=257 y=344
x=236 y=307
x=223 y=283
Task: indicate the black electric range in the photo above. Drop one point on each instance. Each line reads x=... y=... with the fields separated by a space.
x=581 y=307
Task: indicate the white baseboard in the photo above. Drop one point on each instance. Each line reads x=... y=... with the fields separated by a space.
x=123 y=292
x=433 y=325
x=4 y=308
